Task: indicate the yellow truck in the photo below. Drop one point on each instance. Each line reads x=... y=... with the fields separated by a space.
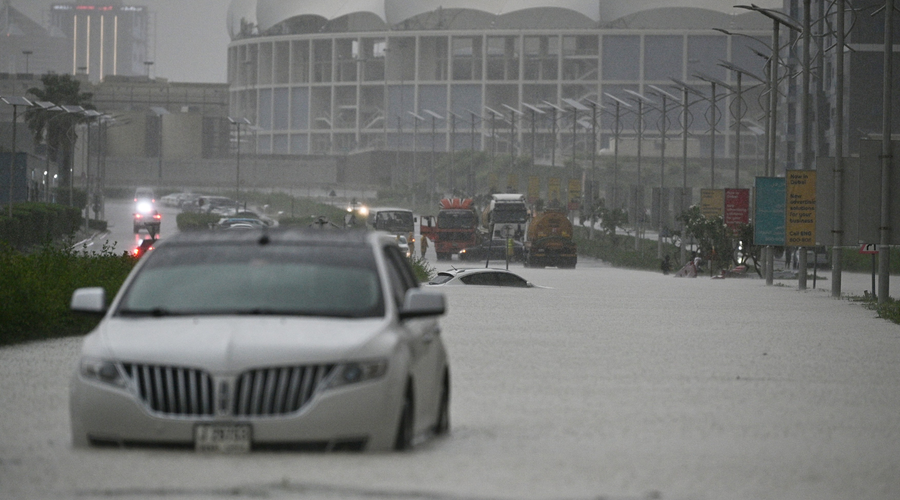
x=548 y=241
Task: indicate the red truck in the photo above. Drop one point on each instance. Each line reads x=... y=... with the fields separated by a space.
x=454 y=228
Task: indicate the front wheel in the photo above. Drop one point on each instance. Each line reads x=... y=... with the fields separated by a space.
x=442 y=425
x=405 y=429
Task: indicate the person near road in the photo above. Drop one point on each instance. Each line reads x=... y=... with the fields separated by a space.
x=423 y=245
x=666 y=265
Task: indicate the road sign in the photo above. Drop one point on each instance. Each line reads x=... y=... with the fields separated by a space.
x=868 y=248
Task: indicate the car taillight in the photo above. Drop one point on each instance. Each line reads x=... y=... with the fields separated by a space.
x=157 y=216
x=138 y=216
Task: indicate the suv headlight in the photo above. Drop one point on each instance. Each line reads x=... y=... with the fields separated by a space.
x=102 y=371
x=356 y=372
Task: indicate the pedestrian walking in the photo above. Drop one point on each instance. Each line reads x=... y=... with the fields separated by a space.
x=423 y=245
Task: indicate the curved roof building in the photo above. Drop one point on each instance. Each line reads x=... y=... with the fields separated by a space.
x=332 y=77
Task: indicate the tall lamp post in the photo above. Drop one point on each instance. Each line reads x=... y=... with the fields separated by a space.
x=494 y=115
x=663 y=128
x=685 y=125
x=595 y=107
x=641 y=101
x=238 y=122
x=451 y=179
x=779 y=18
x=513 y=113
x=415 y=166
x=576 y=107
x=616 y=133
x=554 y=109
x=739 y=117
x=534 y=112
x=70 y=133
x=45 y=179
x=89 y=186
x=15 y=102
x=434 y=118
x=160 y=112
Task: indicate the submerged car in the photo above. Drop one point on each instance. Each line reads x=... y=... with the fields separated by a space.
x=230 y=341
x=480 y=276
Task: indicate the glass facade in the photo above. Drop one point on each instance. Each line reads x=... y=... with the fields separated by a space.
x=337 y=93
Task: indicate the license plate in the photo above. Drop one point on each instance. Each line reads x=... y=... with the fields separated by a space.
x=222 y=438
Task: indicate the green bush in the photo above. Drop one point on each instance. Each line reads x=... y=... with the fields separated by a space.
x=33 y=224
x=422 y=268
x=35 y=290
x=619 y=250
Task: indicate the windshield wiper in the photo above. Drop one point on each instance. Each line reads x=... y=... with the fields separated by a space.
x=157 y=312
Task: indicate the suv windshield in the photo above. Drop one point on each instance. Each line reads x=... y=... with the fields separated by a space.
x=304 y=280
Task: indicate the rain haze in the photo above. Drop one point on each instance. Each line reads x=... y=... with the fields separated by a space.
x=191 y=39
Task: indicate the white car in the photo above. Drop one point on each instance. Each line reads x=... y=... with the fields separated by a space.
x=480 y=276
x=232 y=341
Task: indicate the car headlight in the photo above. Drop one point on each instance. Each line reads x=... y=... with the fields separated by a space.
x=356 y=372
x=102 y=371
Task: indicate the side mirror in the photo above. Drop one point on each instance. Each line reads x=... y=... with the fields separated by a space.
x=419 y=303
x=89 y=300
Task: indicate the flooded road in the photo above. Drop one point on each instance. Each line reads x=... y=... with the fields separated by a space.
x=601 y=383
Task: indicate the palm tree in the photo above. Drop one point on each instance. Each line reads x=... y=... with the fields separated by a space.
x=54 y=127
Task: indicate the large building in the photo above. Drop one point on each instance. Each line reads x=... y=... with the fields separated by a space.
x=321 y=77
x=106 y=38
x=863 y=78
x=26 y=47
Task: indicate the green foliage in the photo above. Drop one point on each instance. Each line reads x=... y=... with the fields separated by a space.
x=423 y=269
x=34 y=224
x=55 y=126
x=717 y=242
x=35 y=290
x=620 y=251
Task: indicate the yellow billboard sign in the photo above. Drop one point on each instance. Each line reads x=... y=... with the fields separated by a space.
x=800 y=210
x=712 y=202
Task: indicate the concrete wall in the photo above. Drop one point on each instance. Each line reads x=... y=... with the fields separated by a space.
x=182 y=136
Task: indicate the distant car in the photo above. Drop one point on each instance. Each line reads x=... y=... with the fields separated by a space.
x=480 y=276
x=231 y=341
x=497 y=249
x=230 y=222
x=149 y=221
x=404 y=245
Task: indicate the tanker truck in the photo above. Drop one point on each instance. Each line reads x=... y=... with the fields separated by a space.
x=454 y=228
x=548 y=241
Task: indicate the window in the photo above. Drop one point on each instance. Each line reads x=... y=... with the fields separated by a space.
x=253 y=279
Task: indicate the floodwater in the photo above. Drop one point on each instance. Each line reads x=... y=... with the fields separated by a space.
x=600 y=383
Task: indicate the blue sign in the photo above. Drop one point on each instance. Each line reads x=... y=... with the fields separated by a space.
x=771 y=206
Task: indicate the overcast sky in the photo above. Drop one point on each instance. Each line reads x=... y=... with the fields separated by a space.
x=191 y=36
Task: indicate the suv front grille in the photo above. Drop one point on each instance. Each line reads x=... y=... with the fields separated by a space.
x=277 y=391
x=264 y=392
x=173 y=390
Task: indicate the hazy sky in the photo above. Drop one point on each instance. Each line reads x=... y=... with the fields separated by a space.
x=191 y=36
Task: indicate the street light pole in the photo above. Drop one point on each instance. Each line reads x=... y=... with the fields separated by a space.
x=434 y=117
x=237 y=122
x=884 y=256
